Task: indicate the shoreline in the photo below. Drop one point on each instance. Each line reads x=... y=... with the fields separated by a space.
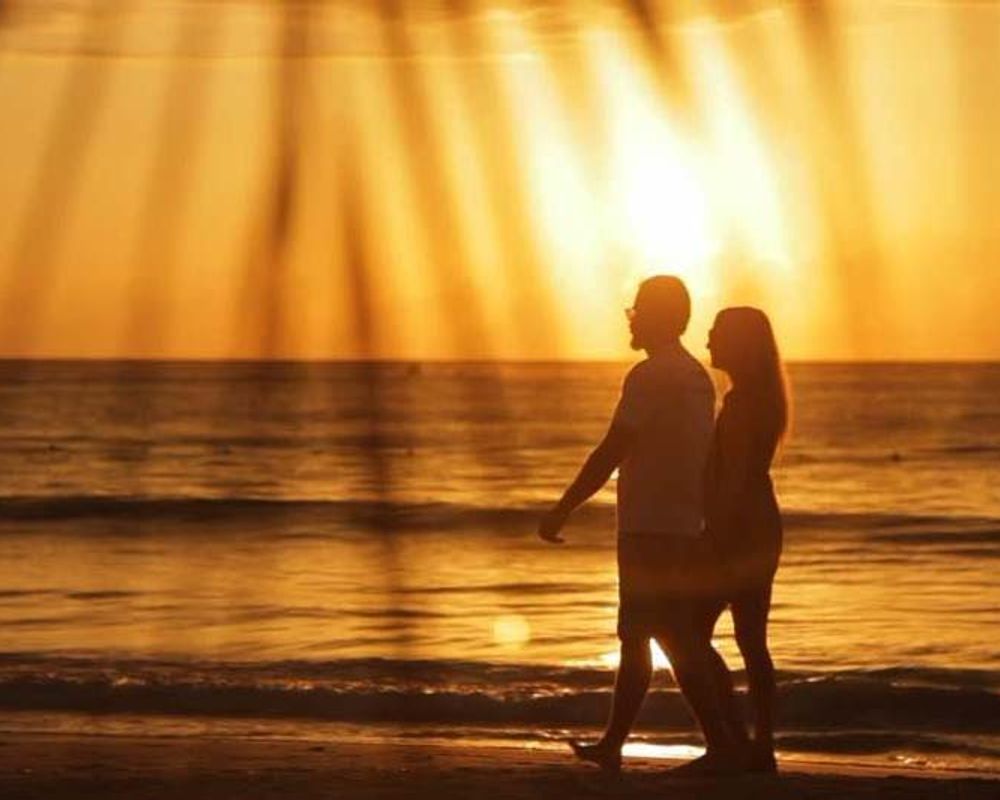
x=68 y=765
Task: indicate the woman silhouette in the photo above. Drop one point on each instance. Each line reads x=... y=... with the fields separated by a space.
x=743 y=524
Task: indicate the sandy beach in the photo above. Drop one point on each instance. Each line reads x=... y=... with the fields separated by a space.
x=54 y=767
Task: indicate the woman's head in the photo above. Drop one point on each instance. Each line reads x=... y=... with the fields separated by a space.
x=742 y=344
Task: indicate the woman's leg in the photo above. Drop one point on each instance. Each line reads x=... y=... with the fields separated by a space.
x=696 y=675
x=750 y=612
x=723 y=678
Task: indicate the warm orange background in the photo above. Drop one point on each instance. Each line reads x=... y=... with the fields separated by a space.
x=331 y=181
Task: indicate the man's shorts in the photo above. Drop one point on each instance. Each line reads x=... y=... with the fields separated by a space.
x=664 y=585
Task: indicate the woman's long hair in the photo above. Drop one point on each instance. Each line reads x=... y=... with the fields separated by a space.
x=757 y=364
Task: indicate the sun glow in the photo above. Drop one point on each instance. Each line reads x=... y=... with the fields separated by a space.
x=655 y=198
x=354 y=183
x=742 y=174
x=511 y=631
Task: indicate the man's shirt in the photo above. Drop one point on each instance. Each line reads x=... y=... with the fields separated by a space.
x=668 y=403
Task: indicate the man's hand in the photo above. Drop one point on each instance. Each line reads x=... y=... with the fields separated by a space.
x=593 y=475
x=551 y=524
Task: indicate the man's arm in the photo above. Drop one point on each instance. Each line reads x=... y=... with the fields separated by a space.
x=592 y=476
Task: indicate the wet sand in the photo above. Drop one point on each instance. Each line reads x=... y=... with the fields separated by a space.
x=55 y=767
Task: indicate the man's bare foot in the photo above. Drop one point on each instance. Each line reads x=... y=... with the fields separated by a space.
x=711 y=765
x=607 y=758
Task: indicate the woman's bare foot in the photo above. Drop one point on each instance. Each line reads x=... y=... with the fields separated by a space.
x=713 y=764
x=762 y=760
x=608 y=758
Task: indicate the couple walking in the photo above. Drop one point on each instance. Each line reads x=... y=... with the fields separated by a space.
x=698 y=524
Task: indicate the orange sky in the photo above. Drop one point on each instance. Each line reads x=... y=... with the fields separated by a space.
x=494 y=184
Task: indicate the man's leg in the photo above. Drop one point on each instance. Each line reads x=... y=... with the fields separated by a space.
x=631 y=684
x=635 y=670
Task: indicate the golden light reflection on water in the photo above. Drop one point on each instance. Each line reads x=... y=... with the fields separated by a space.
x=665 y=751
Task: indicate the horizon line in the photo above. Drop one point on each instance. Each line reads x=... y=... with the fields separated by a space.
x=9 y=360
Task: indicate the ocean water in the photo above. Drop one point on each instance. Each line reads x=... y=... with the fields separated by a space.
x=291 y=546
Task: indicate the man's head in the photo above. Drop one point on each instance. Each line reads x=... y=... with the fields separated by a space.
x=661 y=312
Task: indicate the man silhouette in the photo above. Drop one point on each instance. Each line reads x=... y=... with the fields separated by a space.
x=659 y=440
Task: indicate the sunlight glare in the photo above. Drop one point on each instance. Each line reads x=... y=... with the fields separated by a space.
x=476 y=238
x=563 y=208
x=742 y=174
x=610 y=659
x=655 y=195
x=511 y=630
